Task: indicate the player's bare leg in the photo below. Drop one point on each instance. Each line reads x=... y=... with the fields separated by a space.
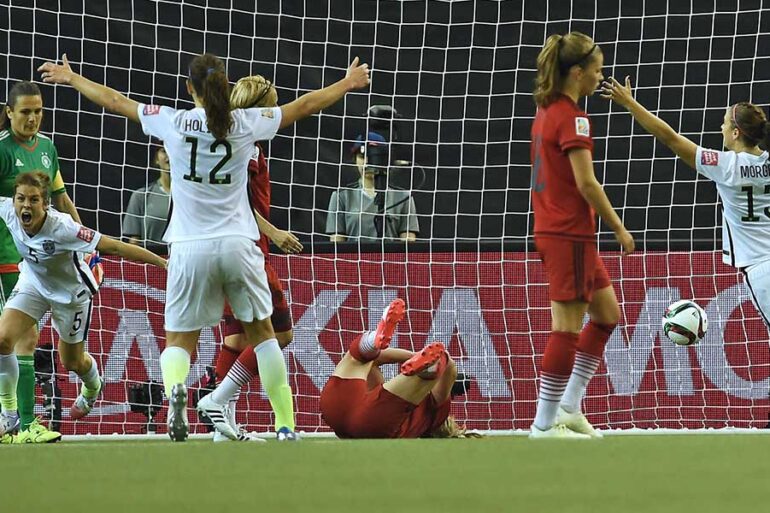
x=74 y=358
x=420 y=374
x=174 y=367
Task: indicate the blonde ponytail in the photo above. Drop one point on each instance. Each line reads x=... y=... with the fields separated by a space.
x=556 y=58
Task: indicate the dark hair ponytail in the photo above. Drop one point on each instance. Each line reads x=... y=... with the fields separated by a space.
x=207 y=74
x=751 y=122
x=24 y=88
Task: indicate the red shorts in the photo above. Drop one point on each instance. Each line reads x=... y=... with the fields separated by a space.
x=574 y=268
x=352 y=411
x=281 y=317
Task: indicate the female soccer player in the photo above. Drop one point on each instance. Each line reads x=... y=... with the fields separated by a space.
x=54 y=276
x=566 y=197
x=212 y=228
x=357 y=403
x=741 y=175
x=24 y=149
x=234 y=366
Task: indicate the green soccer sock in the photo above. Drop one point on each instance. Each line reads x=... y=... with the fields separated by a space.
x=174 y=367
x=9 y=377
x=25 y=390
x=272 y=373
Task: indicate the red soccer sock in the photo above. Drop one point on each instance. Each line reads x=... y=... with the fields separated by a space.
x=248 y=361
x=594 y=337
x=557 y=365
x=362 y=356
x=590 y=349
x=225 y=360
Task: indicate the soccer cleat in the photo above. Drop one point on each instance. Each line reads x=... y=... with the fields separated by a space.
x=9 y=422
x=176 y=418
x=577 y=422
x=7 y=439
x=218 y=415
x=243 y=436
x=387 y=325
x=37 y=433
x=428 y=363
x=83 y=405
x=286 y=435
x=556 y=431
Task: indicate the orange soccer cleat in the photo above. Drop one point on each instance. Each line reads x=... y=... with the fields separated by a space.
x=428 y=363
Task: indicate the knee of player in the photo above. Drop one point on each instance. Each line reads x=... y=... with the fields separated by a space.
x=7 y=342
x=284 y=338
x=71 y=362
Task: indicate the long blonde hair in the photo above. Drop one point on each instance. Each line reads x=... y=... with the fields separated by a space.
x=253 y=91
x=451 y=429
x=556 y=58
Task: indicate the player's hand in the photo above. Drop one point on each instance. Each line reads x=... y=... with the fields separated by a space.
x=357 y=75
x=287 y=242
x=617 y=92
x=626 y=240
x=53 y=73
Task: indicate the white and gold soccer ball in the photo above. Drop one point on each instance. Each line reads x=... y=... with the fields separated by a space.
x=685 y=323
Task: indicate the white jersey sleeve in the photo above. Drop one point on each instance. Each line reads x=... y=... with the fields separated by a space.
x=7 y=212
x=72 y=236
x=156 y=120
x=718 y=166
x=263 y=122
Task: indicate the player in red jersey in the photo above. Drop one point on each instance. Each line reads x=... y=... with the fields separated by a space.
x=566 y=197
x=234 y=366
x=357 y=403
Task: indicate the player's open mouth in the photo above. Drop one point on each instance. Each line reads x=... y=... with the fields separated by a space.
x=26 y=217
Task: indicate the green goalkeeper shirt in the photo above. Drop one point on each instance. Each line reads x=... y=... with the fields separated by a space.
x=16 y=157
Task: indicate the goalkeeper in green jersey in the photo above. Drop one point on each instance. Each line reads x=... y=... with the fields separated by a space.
x=23 y=150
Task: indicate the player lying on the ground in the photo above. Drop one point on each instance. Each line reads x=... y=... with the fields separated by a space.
x=235 y=366
x=53 y=276
x=357 y=403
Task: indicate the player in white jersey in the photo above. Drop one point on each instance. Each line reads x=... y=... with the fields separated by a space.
x=211 y=228
x=742 y=177
x=53 y=276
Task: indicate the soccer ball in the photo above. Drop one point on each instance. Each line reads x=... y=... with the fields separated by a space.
x=685 y=323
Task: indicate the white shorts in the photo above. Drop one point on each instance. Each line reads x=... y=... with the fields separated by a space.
x=757 y=279
x=201 y=274
x=70 y=321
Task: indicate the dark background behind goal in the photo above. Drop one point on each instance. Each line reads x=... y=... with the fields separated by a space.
x=460 y=73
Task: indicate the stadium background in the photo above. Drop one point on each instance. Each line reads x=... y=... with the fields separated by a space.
x=460 y=73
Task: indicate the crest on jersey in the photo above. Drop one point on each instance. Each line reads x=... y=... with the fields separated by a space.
x=267 y=113
x=582 y=127
x=709 y=158
x=49 y=247
x=151 y=110
x=46 y=160
x=85 y=234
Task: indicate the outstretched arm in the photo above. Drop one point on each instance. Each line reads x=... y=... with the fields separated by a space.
x=662 y=131
x=357 y=77
x=104 y=96
x=110 y=246
x=287 y=241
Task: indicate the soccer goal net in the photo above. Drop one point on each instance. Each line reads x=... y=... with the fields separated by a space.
x=459 y=77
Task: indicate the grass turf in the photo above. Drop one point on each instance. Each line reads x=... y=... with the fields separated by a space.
x=618 y=474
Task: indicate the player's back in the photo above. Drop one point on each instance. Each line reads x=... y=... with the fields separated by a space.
x=743 y=183
x=209 y=175
x=560 y=210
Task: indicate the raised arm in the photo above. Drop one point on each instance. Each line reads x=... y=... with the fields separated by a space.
x=110 y=246
x=104 y=96
x=662 y=131
x=591 y=190
x=357 y=77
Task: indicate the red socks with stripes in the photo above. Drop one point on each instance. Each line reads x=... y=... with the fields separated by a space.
x=590 y=349
x=555 y=372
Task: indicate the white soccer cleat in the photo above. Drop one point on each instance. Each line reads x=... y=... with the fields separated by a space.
x=218 y=415
x=243 y=436
x=9 y=423
x=558 y=431
x=176 y=418
x=577 y=422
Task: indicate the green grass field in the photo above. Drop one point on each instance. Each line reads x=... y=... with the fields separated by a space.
x=620 y=474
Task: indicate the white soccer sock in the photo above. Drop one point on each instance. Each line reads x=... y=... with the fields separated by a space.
x=9 y=379
x=236 y=377
x=90 y=379
x=551 y=390
x=584 y=369
x=366 y=345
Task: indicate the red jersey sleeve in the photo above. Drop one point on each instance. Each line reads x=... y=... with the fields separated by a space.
x=574 y=131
